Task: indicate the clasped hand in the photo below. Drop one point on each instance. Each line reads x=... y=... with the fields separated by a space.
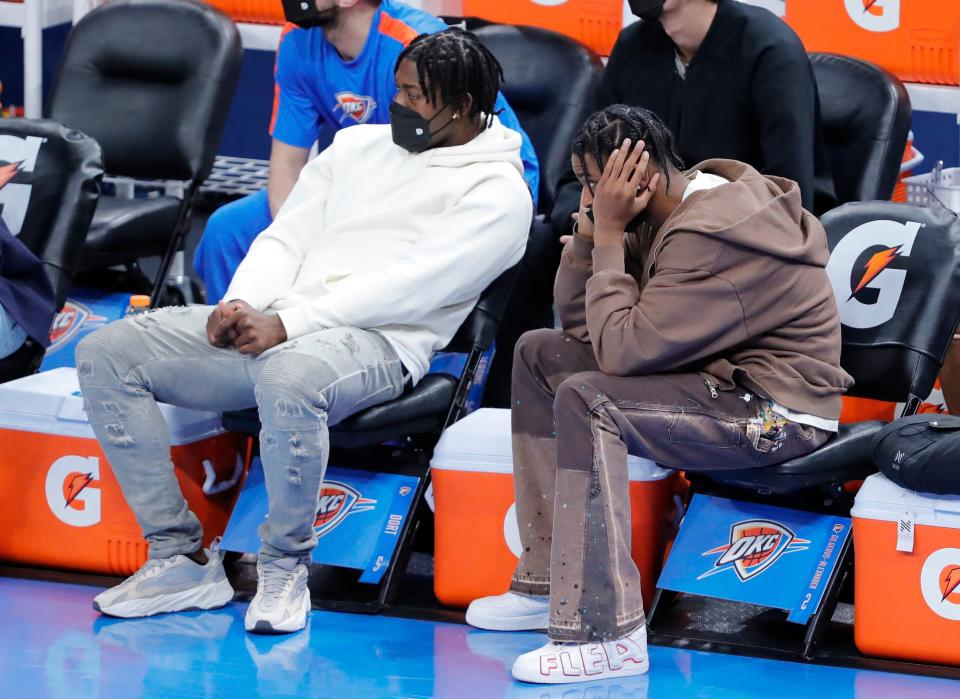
x=236 y=323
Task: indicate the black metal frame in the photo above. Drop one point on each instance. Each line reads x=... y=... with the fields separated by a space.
x=177 y=237
x=420 y=452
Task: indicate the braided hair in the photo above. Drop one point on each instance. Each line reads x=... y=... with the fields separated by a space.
x=606 y=130
x=454 y=64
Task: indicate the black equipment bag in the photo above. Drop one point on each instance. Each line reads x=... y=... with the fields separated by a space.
x=921 y=453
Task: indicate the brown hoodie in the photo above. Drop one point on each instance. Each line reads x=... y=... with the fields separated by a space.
x=734 y=287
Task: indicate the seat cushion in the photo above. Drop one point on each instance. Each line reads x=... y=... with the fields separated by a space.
x=846 y=457
x=126 y=229
x=421 y=410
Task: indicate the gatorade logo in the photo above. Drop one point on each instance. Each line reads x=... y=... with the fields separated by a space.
x=940 y=583
x=867 y=270
x=71 y=495
x=19 y=155
x=874 y=15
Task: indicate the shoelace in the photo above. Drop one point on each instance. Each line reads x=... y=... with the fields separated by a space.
x=152 y=568
x=276 y=580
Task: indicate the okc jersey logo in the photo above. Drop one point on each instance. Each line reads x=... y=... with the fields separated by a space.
x=68 y=323
x=70 y=496
x=358 y=107
x=337 y=500
x=755 y=545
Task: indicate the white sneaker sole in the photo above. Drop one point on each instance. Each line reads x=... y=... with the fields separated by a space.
x=202 y=597
x=527 y=622
x=532 y=675
x=289 y=624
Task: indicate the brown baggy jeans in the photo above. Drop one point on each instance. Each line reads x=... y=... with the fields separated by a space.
x=573 y=427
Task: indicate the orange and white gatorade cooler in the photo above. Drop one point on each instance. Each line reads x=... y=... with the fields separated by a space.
x=62 y=505
x=477 y=541
x=907 y=587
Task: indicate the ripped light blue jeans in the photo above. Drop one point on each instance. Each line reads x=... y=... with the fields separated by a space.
x=300 y=387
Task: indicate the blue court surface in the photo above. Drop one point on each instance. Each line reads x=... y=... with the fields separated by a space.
x=52 y=644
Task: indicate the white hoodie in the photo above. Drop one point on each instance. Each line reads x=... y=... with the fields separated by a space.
x=375 y=237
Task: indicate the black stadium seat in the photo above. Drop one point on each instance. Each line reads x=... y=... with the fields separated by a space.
x=64 y=186
x=898 y=358
x=865 y=113
x=550 y=81
x=551 y=110
x=896 y=328
x=151 y=81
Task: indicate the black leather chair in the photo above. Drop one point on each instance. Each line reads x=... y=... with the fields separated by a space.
x=550 y=81
x=151 y=81
x=865 y=113
x=64 y=184
x=894 y=341
x=896 y=360
x=551 y=111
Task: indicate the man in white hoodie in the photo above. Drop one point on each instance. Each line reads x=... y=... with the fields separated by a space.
x=376 y=258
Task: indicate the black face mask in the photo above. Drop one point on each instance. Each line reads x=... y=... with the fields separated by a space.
x=304 y=13
x=649 y=10
x=410 y=130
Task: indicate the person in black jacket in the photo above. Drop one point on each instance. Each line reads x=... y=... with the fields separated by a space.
x=731 y=81
x=27 y=303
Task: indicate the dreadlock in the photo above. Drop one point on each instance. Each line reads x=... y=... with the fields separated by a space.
x=606 y=130
x=452 y=65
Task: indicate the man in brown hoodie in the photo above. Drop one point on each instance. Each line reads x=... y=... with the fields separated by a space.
x=700 y=331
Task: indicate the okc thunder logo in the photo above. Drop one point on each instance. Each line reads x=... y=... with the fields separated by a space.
x=358 y=107
x=755 y=545
x=337 y=500
x=68 y=323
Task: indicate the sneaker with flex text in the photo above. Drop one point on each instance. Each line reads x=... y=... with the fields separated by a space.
x=282 y=602
x=562 y=663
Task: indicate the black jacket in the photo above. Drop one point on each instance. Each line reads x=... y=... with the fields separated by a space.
x=749 y=95
x=25 y=290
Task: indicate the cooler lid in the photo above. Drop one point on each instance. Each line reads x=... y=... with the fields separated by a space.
x=882 y=499
x=50 y=403
x=482 y=442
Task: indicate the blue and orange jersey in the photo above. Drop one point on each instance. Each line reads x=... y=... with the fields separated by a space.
x=315 y=87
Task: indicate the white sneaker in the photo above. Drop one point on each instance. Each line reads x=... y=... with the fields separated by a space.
x=282 y=602
x=562 y=663
x=510 y=611
x=175 y=584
